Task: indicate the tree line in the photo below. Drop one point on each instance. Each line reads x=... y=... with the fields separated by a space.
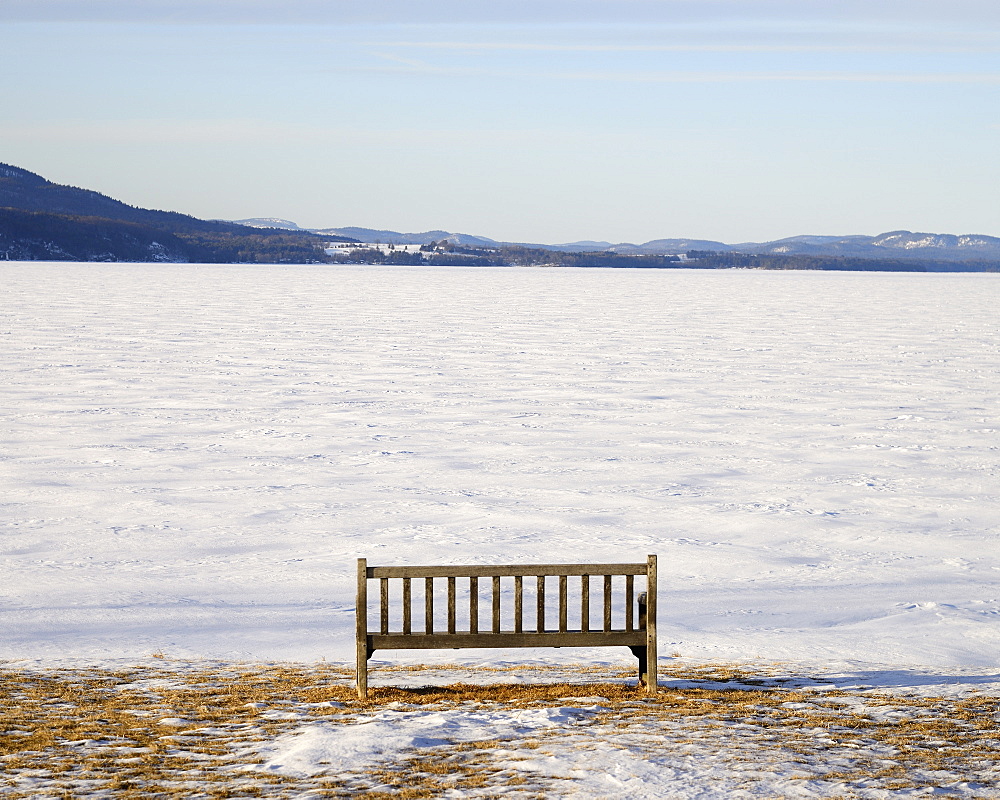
x=33 y=236
x=710 y=259
x=448 y=254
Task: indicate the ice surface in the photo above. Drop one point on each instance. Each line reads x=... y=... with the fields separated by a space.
x=195 y=455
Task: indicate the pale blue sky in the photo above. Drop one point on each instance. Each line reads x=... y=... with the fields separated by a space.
x=624 y=120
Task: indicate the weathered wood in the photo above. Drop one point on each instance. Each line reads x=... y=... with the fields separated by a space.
x=629 y=601
x=638 y=635
x=641 y=652
x=496 y=604
x=607 y=602
x=459 y=639
x=487 y=571
x=651 y=680
x=518 y=603
x=540 y=604
x=474 y=605
x=451 y=605
x=562 y=603
x=407 y=606
x=383 y=610
x=428 y=605
x=361 y=622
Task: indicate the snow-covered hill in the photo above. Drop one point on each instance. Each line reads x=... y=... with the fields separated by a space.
x=894 y=244
x=268 y=222
x=395 y=237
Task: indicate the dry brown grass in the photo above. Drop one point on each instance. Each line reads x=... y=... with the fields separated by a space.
x=101 y=733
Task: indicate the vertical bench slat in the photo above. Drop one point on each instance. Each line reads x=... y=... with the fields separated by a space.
x=451 y=605
x=428 y=605
x=629 y=602
x=651 y=679
x=562 y=603
x=407 y=606
x=361 y=629
x=540 y=605
x=473 y=605
x=585 y=603
x=383 y=615
x=518 y=604
x=607 y=603
x=496 y=604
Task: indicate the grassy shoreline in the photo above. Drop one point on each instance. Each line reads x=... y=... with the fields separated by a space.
x=175 y=729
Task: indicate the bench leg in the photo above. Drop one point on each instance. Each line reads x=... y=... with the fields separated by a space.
x=362 y=677
x=640 y=653
x=363 y=655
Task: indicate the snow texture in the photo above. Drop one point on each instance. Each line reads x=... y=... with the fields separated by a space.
x=194 y=456
x=381 y=737
x=571 y=751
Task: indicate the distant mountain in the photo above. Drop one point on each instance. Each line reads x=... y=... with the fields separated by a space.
x=41 y=220
x=460 y=239
x=268 y=222
x=395 y=237
x=894 y=244
x=375 y=235
x=383 y=236
x=585 y=245
x=668 y=246
x=891 y=245
x=27 y=191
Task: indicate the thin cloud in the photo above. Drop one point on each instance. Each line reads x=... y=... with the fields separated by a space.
x=263 y=132
x=767 y=77
x=421 y=66
x=541 y=47
x=976 y=14
x=161 y=131
x=731 y=76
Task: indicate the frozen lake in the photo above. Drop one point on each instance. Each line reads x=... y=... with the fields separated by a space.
x=194 y=456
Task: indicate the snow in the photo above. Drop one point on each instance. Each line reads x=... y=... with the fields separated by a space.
x=381 y=737
x=593 y=749
x=384 y=247
x=195 y=455
x=609 y=770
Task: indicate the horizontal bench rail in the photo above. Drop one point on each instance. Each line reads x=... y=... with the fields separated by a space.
x=611 y=586
x=465 y=639
x=503 y=571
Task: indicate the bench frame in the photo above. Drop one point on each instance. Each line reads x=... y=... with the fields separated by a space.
x=639 y=633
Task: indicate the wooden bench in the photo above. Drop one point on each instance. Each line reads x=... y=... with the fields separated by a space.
x=548 y=629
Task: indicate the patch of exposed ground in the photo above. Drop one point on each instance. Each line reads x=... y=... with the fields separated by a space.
x=189 y=730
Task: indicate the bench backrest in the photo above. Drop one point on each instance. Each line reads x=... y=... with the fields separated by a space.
x=543 y=620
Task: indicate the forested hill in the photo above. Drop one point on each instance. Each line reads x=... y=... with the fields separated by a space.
x=30 y=192
x=41 y=220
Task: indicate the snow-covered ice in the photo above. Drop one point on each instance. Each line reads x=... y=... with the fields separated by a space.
x=194 y=456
